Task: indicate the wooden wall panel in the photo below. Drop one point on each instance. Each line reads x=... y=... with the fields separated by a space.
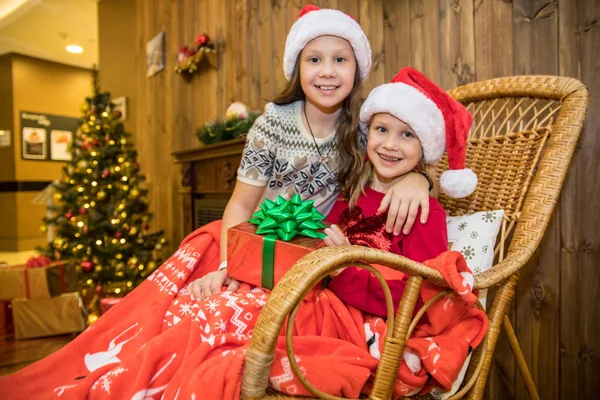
x=454 y=42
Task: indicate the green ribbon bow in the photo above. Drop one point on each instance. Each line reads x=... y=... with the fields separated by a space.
x=284 y=219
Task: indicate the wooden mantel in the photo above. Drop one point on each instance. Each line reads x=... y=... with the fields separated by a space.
x=207 y=180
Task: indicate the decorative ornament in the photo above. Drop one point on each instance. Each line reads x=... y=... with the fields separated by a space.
x=101 y=195
x=118 y=235
x=105 y=173
x=87 y=266
x=133 y=193
x=83 y=211
x=201 y=39
x=237 y=110
x=92 y=317
x=68 y=215
x=189 y=58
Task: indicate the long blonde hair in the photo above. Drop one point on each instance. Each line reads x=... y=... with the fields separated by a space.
x=350 y=154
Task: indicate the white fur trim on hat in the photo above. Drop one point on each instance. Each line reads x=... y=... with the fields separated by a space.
x=415 y=109
x=325 y=22
x=458 y=183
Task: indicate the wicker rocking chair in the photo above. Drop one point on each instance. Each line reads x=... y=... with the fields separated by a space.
x=523 y=137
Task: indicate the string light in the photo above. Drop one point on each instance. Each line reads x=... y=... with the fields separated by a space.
x=94 y=183
x=124 y=179
x=98 y=242
x=123 y=241
x=117 y=168
x=80 y=224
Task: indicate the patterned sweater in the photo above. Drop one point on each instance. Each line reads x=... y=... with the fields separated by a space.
x=280 y=155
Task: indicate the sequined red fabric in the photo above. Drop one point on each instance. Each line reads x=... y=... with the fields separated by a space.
x=365 y=231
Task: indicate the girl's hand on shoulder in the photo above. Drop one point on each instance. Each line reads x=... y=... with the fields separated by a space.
x=212 y=283
x=402 y=202
x=335 y=236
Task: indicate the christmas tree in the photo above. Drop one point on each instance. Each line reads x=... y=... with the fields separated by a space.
x=101 y=217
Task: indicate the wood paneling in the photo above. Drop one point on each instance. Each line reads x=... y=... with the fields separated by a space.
x=555 y=312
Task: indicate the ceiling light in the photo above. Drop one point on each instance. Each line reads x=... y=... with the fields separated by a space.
x=73 y=48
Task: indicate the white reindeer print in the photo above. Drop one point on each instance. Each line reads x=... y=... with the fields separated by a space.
x=97 y=360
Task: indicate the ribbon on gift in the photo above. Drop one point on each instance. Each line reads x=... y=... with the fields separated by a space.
x=34 y=262
x=283 y=220
x=40 y=262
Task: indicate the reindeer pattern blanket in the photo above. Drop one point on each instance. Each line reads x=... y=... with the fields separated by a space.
x=161 y=343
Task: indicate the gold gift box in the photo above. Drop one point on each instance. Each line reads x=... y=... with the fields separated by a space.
x=48 y=317
x=43 y=282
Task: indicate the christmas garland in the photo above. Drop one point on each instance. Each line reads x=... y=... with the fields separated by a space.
x=221 y=130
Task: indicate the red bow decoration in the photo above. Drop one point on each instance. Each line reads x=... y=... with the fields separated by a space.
x=37 y=262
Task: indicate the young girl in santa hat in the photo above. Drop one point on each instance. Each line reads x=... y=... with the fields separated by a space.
x=410 y=122
x=306 y=142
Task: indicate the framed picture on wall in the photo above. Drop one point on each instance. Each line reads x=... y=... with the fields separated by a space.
x=59 y=145
x=34 y=144
x=155 y=54
x=47 y=136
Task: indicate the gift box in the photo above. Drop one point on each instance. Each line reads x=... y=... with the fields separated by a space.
x=48 y=317
x=107 y=303
x=280 y=233
x=7 y=328
x=35 y=282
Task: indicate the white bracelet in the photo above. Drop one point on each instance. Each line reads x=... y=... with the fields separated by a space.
x=222 y=266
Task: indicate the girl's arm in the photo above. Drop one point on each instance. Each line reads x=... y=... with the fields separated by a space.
x=243 y=203
x=403 y=201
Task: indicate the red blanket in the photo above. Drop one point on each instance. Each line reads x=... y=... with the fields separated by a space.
x=159 y=342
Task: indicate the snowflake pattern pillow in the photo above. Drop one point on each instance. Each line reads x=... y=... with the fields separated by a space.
x=475 y=236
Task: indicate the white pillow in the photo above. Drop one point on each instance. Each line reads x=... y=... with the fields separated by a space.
x=474 y=236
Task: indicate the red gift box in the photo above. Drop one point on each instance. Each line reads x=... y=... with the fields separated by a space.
x=245 y=254
x=7 y=327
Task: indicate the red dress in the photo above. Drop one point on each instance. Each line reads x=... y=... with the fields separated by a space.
x=363 y=226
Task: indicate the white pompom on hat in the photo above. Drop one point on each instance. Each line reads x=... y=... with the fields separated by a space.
x=440 y=122
x=314 y=22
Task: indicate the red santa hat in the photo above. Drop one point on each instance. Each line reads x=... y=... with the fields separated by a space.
x=440 y=122
x=314 y=22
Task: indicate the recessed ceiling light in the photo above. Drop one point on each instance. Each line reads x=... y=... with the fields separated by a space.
x=73 y=48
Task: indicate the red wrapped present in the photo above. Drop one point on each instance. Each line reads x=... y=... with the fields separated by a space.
x=7 y=327
x=280 y=233
x=107 y=303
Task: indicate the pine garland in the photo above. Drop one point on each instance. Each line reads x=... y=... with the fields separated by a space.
x=221 y=130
